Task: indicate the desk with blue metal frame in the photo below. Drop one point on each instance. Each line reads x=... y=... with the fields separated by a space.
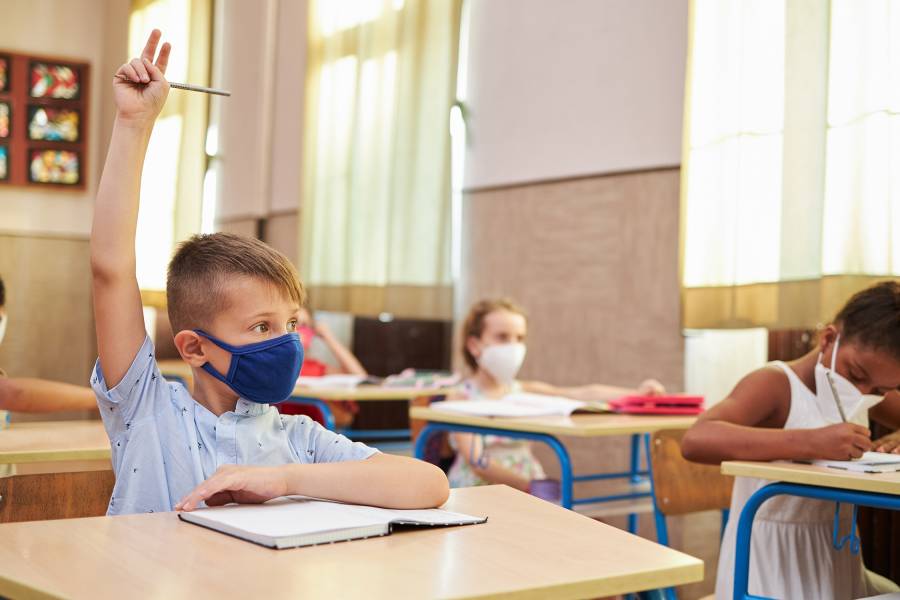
x=320 y=396
x=878 y=490
x=548 y=430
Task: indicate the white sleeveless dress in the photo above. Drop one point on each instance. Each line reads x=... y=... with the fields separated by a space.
x=791 y=554
x=513 y=454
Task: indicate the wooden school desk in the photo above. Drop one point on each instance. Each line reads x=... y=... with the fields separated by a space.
x=548 y=429
x=53 y=441
x=317 y=396
x=528 y=549
x=878 y=490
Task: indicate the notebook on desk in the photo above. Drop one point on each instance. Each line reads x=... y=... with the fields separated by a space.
x=524 y=404
x=869 y=462
x=294 y=521
x=518 y=404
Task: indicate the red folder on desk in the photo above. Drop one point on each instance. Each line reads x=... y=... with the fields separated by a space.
x=671 y=404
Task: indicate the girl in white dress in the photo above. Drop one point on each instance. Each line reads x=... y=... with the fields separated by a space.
x=493 y=348
x=788 y=411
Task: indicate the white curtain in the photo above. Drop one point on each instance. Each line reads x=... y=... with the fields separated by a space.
x=172 y=183
x=375 y=215
x=790 y=140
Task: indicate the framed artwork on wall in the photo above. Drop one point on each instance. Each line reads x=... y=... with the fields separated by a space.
x=43 y=121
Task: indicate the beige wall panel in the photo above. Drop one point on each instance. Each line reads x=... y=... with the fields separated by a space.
x=239 y=226
x=594 y=261
x=282 y=231
x=51 y=324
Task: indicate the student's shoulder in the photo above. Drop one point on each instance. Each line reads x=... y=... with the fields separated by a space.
x=769 y=384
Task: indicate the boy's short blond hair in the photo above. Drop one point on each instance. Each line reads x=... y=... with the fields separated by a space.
x=202 y=265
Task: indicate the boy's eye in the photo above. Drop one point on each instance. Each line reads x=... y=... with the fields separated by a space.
x=261 y=328
x=292 y=325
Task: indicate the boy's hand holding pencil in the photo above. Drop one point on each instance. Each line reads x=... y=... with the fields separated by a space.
x=140 y=87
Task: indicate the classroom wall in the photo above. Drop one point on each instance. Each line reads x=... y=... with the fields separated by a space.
x=44 y=233
x=572 y=180
x=264 y=60
x=571 y=201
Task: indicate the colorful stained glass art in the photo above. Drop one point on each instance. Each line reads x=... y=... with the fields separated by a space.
x=53 y=124
x=54 y=166
x=4 y=119
x=4 y=169
x=53 y=81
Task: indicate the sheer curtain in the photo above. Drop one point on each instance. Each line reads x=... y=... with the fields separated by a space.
x=787 y=198
x=375 y=216
x=172 y=183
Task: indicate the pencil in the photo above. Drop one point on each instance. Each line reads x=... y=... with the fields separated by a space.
x=834 y=395
x=199 y=88
x=188 y=87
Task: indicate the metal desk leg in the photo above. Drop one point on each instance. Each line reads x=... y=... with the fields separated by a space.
x=635 y=475
x=565 y=464
x=745 y=523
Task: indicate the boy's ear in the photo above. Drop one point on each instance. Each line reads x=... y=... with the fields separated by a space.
x=190 y=348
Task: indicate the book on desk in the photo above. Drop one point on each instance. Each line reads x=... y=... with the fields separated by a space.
x=295 y=521
x=869 y=462
x=524 y=404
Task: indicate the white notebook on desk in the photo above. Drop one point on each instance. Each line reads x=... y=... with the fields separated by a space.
x=295 y=521
x=518 y=404
x=870 y=462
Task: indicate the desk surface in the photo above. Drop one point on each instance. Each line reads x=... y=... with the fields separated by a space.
x=362 y=393
x=586 y=425
x=44 y=441
x=883 y=483
x=528 y=549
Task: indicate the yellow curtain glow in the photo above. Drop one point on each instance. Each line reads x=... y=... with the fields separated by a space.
x=172 y=184
x=791 y=179
x=375 y=216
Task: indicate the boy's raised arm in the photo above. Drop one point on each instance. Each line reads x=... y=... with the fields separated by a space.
x=140 y=90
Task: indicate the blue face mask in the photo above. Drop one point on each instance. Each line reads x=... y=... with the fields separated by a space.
x=264 y=372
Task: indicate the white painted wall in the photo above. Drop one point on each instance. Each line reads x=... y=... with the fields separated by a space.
x=95 y=31
x=564 y=88
x=263 y=62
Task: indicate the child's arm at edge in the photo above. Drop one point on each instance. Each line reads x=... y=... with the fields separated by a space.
x=744 y=427
x=597 y=392
x=470 y=446
x=117 y=300
x=43 y=396
x=380 y=480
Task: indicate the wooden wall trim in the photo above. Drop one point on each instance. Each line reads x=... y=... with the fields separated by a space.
x=570 y=178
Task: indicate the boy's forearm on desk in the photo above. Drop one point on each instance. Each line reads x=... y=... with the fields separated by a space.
x=381 y=480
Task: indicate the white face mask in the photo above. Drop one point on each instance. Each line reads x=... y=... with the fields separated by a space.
x=3 y=320
x=502 y=361
x=855 y=404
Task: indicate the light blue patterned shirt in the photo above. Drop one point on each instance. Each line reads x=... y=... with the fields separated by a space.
x=164 y=443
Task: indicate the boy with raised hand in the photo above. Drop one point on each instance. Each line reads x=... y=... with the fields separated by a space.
x=234 y=304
